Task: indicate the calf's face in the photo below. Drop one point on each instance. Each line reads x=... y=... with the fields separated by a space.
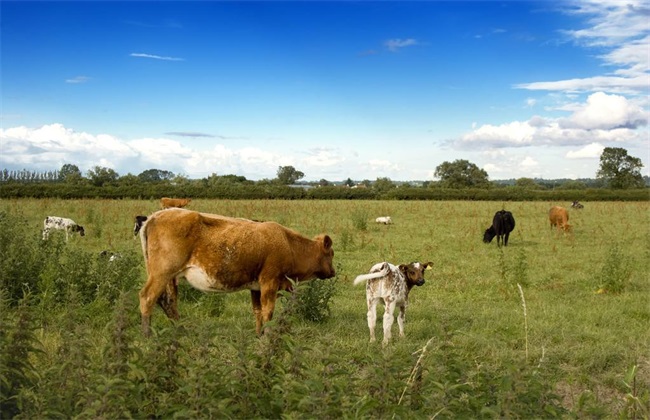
x=414 y=273
x=325 y=269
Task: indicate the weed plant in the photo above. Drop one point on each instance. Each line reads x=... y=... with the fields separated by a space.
x=71 y=345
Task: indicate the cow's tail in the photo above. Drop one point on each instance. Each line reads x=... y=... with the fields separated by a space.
x=143 y=239
x=365 y=277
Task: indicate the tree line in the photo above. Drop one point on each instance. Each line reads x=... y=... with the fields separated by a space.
x=459 y=179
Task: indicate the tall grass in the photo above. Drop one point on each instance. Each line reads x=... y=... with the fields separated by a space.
x=71 y=344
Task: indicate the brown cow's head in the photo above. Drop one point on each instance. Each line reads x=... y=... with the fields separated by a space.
x=414 y=273
x=325 y=269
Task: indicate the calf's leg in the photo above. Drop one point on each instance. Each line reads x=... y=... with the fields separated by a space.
x=401 y=318
x=388 y=319
x=372 y=317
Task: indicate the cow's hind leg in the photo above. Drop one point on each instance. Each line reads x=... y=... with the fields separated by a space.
x=256 y=300
x=149 y=295
x=388 y=319
x=168 y=300
x=372 y=317
x=401 y=318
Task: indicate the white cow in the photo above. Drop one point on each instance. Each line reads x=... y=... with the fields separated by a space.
x=384 y=219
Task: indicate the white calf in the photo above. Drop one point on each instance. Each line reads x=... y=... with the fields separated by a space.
x=385 y=220
x=61 y=223
x=391 y=284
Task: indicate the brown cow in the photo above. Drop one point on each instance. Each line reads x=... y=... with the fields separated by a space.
x=166 y=202
x=559 y=217
x=223 y=254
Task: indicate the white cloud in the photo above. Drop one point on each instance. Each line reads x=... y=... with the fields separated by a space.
x=602 y=118
x=621 y=29
x=50 y=146
x=605 y=112
x=156 y=57
x=395 y=44
x=78 y=80
x=529 y=163
x=590 y=151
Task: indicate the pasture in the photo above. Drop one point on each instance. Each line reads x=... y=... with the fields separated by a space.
x=553 y=325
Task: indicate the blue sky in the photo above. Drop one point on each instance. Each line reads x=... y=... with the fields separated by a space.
x=336 y=89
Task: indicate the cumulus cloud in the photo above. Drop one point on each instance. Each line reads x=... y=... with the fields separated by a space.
x=602 y=111
x=590 y=151
x=50 y=146
x=602 y=118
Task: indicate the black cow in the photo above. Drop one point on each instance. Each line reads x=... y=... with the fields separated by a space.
x=502 y=224
x=577 y=205
x=139 y=221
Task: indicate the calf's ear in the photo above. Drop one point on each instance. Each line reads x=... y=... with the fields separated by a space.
x=403 y=268
x=327 y=242
x=428 y=265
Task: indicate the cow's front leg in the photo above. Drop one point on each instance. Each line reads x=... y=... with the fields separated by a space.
x=256 y=300
x=388 y=320
x=268 y=298
x=401 y=318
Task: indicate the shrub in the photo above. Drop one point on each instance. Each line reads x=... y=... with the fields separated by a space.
x=615 y=273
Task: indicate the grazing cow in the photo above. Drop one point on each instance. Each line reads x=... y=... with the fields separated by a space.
x=166 y=203
x=61 y=223
x=392 y=285
x=224 y=254
x=559 y=217
x=385 y=220
x=503 y=223
x=577 y=205
x=139 y=221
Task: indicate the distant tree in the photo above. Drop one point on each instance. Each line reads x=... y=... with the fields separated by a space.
x=383 y=184
x=620 y=170
x=155 y=175
x=461 y=174
x=70 y=174
x=324 y=183
x=100 y=176
x=348 y=182
x=366 y=183
x=288 y=175
x=572 y=185
x=129 y=179
x=527 y=183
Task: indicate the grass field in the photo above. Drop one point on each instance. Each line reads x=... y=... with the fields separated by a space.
x=552 y=325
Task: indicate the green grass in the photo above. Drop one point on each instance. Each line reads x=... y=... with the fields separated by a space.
x=581 y=344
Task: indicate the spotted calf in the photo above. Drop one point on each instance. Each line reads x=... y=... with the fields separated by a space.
x=61 y=223
x=392 y=285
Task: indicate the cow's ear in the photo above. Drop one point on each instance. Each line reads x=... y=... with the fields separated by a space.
x=327 y=242
x=403 y=268
x=428 y=265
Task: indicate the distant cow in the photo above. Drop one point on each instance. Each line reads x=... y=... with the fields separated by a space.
x=110 y=255
x=392 y=285
x=503 y=223
x=139 y=221
x=61 y=223
x=559 y=217
x=166 y=202
x=577 y=205
x=223 y=254
x=384 y=219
